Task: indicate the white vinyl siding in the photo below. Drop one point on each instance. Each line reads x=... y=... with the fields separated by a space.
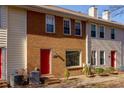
x=16 y=45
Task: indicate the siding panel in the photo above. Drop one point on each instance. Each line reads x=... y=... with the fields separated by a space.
x=17 y=53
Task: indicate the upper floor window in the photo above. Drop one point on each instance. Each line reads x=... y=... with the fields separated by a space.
x=50 y=24
x=102 y=29
x=112 y=33
x=67 y=26
x=102 y=57
x=93 y=30
x=78 y=28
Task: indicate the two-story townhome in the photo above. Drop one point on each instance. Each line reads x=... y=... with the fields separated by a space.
x=54 y=39
x=105 y=41
x=46 y=37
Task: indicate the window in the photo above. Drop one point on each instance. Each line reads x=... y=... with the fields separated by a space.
x=0 y=16
x=78 y=28
x=112 y=33
x=93 y=30
x=102 y=29
x=67 y=27
x=73 y=58
x=93 y=58
x=102 y=57
x=50 y=24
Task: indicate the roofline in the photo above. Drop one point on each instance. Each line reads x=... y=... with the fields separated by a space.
x=69 y=13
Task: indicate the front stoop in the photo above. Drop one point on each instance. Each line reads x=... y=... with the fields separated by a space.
x=3 y=84
x=50 y=79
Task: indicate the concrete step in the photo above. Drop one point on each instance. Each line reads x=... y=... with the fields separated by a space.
x=50 y=79
x=3 y=84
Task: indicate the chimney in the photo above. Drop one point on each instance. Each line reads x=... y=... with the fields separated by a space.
x=93 y=11
x=106 y=15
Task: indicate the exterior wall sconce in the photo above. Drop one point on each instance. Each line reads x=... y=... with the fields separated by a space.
x=55 y=55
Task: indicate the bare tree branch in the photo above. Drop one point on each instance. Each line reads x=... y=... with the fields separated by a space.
x=116 y=10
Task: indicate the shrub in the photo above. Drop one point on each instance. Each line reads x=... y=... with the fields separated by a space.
x=87 y=70
x=67 y=74
x=99 y=70
x=109 y=69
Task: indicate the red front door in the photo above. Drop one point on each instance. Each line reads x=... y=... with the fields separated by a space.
x=45 y=61
x=112 y=58
x=0 y=63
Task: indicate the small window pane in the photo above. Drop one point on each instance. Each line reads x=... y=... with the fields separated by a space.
x=66 y=27
x=102 y=57
x=93 y=30
x=101 y=31
x=72 y=58
x=50 y=21
x=77 y=28
x=112 y=33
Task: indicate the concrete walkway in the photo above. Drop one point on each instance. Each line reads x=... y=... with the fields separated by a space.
x=80 y=81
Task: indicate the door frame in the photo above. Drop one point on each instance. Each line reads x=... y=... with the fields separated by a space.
x=115 y=61
x=1 y=66
x=50 y=60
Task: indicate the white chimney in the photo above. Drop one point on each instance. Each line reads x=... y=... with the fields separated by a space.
x=106 y=15
x=93 y=11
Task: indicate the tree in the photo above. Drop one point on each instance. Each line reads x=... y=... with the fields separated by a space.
x=116 y=10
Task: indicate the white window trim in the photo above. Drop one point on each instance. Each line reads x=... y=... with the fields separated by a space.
x=104 y=57
x=96 y=30
x=104 y=31
x=46 y=24
x=80 y=28
x=80 y=63
x=69 y=26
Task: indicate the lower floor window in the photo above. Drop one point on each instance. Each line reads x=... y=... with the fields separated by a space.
x=93 y=58
x=73 y=58
x=102 y=57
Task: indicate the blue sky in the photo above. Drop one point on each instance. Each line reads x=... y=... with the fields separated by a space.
x=101 y=8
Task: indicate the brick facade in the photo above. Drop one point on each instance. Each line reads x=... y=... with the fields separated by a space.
x=38 y=39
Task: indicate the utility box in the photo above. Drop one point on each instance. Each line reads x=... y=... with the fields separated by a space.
x=35 y=77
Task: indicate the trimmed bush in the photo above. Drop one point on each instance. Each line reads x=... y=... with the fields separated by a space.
x=109 y=69
x=99 y=70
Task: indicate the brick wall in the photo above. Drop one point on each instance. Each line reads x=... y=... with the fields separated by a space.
x=37 y=39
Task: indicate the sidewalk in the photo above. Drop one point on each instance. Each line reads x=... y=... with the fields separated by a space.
x=80 y=81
